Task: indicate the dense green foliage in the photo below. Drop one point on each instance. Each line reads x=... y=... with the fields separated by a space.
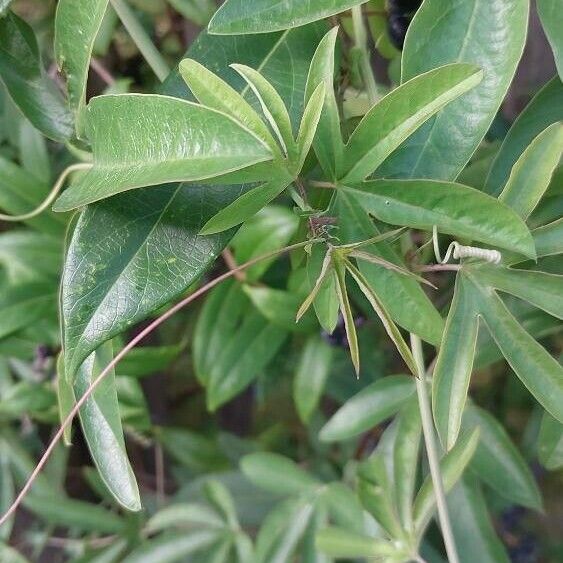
x=342 y=391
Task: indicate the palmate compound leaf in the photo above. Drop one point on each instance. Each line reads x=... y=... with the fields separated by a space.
x=475 y=297
x=140 y=140
x=106 y=281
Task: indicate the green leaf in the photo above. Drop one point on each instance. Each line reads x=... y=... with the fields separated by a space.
x=7 y=553
x=549 y=238
x=32 y=90
x=532 y=172
x=342 y=543
x=346 y=312
x=262 y=16
x=245 y=207
x=215 y=93
x=400 y=294
x=368 y=408
x=421 y=204
x=327 y=143
x=498 y=462
x=184 y=515
x=279 y=307
x=452 y=466
x=143 y=223
x=545 y=108
x=550 y=443
x=272 y=105
x=34 y=155
x=551 y=18
x=475 y=535
x=311 y=375
x=153 y=139
x=399 y=114
x=26 y=398
x=309 y=123
x=454 y=363
x=172 y=547
x=544 y=291
x=101 y=424
x=486 y=33
x=24 y=304
x=76 y=25
x=343 y=506
x=219 y=496
x=277 y=474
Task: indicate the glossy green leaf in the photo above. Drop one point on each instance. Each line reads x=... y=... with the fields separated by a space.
x=32 y=90
x=272 y=105
x=262 y=16
x=538 y=371
x=215 y=93
x=549 y=238
x=551 y=17
x=475 y=535
x=399 y=114
x=498 y=462
x=309 y=123
x=101 y=425
x=545 y=108
x=486 y=33
x=172 y=547
x=400 y=294
x=245 y=207
x=368 y=408
x=76 y=26
x=152 y=139
x=311 y=375
x=550 y=443
x=327 y=143
x=279 y=307
x=421 y=204
x=531 y=174
x=452 y=466
x=342 y=543
x=454 y=364
x=277 y=474
x=544 y=291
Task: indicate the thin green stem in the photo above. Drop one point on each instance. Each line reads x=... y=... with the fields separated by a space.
x=142 y=40
x=432 y=450
x=362 y=46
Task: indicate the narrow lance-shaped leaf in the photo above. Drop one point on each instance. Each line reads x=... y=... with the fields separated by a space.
x=342 y=543
x=263 y=16
x=402 y=112
x=538 y=371
x=32 y=90
x=551 y=17
x=423 y=204
x=549 y=238
x=144 y=139
x=76 y=26
x=215 y=93
x=101 y=424
x=328 y=143
x=369 y=407
x=550 y=443
x=454 y=364
x=308 y=126
x=545 y=108
x=488 y=33
x=310 y=376
x=531 y=174
x=272 y=106
x=498 y=462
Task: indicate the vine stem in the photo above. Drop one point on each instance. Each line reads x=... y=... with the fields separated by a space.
x=141 y=39
x=361 y=43
x=52 y=194
x=126 y=349
x=432 y=450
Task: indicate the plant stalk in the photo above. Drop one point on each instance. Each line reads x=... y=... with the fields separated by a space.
x=141 y=39
x=432 y=450
x=362 y=46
